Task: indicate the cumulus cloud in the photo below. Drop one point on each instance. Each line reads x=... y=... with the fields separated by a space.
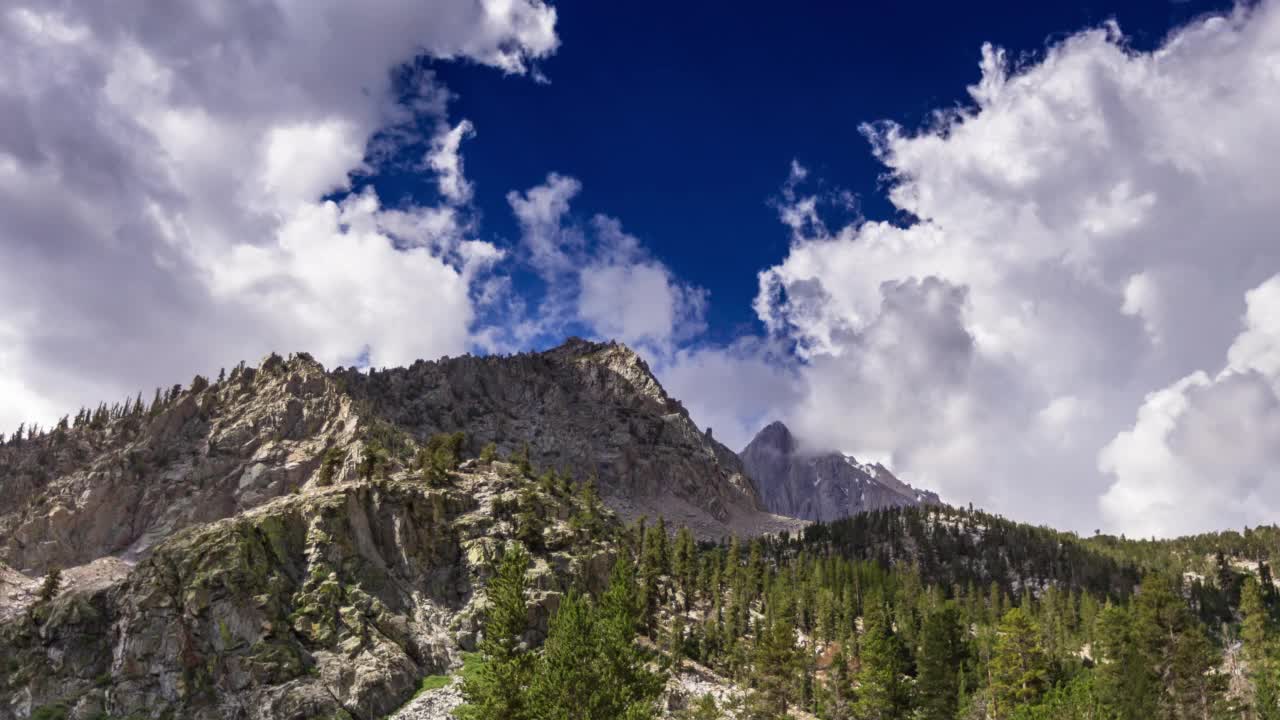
x=163 y=169
x=1083 y=234
x=1204 y=452
x=599 y=278
x=734 y=390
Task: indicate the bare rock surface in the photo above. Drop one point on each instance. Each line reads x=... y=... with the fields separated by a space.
x=329 y=603
x=588 y=408
x=268 y=546
x=437 y=704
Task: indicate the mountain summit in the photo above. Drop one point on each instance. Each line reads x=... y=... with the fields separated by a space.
x=821 y=486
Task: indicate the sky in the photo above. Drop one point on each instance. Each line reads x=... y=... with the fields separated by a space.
x=1027 y=260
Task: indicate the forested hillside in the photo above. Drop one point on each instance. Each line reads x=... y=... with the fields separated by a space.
x=944 y=613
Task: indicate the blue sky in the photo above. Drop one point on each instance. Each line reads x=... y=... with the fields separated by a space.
x=681 y=119
x=1024 y=255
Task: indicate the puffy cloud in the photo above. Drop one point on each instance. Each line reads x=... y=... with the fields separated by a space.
x=734 y=390
x=541 y=212
x=163 y=170
x=1205 y=451
x=599 y=278
x=1083 y=234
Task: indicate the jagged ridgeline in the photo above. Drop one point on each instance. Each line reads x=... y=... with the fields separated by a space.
x=120 y=481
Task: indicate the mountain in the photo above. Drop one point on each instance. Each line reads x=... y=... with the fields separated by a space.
x=122 y=479
x=290 y=542
x=821 y=486
x=282 y=543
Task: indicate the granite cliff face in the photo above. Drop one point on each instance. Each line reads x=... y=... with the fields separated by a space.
x=330 y=603
x=590 y=408
x=266 y=547
x=821 y=486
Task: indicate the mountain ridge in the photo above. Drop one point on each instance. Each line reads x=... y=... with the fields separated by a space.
x=120 y=479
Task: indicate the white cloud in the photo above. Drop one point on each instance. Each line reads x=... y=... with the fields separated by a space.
x=734 y=390
x=444 y=158
x=541 y=212
x=162 y=168
x=1205 y=451
x=1085 y=234
x=598 y=277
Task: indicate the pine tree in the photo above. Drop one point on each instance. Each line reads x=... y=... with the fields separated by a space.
x=674 y=643
x=882 y=690
x=1126 y=685
x=373 y=461
x=683 y=565
x=776 y=662
x=1019 y=670
x=704 y=708
x=942 y=652
x=52 y=584
x=1172 y=643
x=523 y=463
x=588 y=519
x=530 y=521
x=653 y=565
x=631 y=688
x=567 y=676
x=1258 y=633
x=497 y=690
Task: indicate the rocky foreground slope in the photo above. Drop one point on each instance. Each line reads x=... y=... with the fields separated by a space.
x=268 y=545
x=821 y=486
x=331 y=603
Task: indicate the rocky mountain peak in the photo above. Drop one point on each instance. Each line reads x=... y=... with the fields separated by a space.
x=820 y=485
x=774 y=437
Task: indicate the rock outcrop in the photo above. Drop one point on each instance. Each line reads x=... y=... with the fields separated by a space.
x=821 y=486
x=588 y=408
x=274 y=545
x=331 y=603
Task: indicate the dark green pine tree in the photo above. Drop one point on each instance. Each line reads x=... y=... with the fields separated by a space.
x=777 y=662
x=943 y=651
x=1257 y=630
x=1172 y=643
x=1019 y=669
x=653 y=565
x=629 y=689
x=51 y=585
x=684 y=565
x=1127 y=687
x=882 y=692
x=498 y=689
x=589 y=518
x=590 y=665
x=567 y=676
